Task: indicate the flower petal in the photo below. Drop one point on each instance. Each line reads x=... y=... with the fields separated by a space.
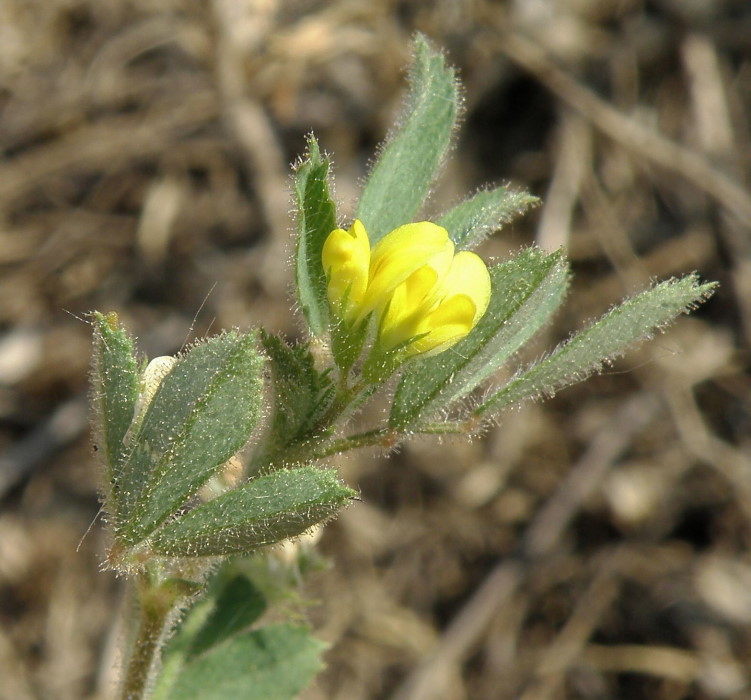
x=425 y=297
x=463 y=295
x=400 y=253
x=409 y=303
x=451 y=321
x=346 y=262
x=468 y=275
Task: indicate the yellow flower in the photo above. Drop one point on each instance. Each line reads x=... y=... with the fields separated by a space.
x=399 y=254
x=424 y=297
x=346 y=260
x=437 y=311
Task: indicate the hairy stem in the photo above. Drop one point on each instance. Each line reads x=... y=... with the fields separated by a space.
x=380 y=436
x=155 y=603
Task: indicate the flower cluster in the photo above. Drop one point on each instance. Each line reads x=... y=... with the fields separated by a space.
x=424 y=296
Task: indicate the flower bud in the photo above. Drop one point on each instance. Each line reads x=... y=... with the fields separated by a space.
x=425 y=298
x=346 y=260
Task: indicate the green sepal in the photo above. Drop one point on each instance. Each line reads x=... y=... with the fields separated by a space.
x=470 y=222
x=525 y=292
x=585 y=353
x=347 y=341
x=114 y=393
x=316 y=219
x=201 y=415
x=409 y=160
x=302 y=394
x=266 y=510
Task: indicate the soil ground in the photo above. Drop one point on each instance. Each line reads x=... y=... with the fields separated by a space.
x=592 y=546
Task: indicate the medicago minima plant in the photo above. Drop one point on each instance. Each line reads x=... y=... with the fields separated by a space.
x=393 y=305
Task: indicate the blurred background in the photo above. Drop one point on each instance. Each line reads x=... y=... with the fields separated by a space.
x=593 y=546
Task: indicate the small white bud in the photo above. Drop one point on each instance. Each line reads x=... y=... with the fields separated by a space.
x=151 y=379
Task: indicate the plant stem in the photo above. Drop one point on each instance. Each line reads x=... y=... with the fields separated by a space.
x=386 y=437
x=345 y=396
x=463 y=427
x=155 y=603
x=379 y=436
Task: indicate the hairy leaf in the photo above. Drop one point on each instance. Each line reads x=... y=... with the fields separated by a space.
x=470 y=222
x=114 y=392
x=266 y=510
x=409 y=160
x=525 y=291
x=275 y=662
x=302 y=394
x=201 y=415
x=316 y=219
x=231 y=604
x=604 y=340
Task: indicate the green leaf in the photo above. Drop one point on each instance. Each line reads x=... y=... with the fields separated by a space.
x=470 y=222
x=201 y=415
x=231 y=605
x=316 y=219
x=114 y=392
x=275 y=662
x=266 y=510
x=302 y=394
x=608 y=338
x=525 y=291
x=236 y=606
x=401 y=178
